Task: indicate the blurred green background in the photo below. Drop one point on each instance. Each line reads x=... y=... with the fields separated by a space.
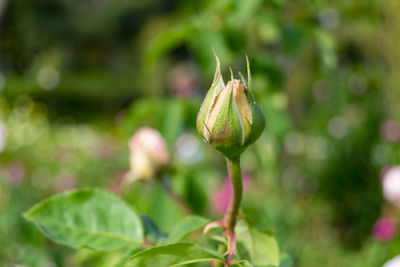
x=78 y=77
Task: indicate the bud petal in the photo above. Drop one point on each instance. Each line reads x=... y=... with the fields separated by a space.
x=243 y=109
x=209 y=102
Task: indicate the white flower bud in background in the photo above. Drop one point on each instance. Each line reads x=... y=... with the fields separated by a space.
x=395 y=262
x=48 y=78
x=148 y=153
x=391 y=184
x=3 y=135
x=187 y=148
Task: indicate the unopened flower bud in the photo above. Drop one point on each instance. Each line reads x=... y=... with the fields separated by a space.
x=148 y=153
x=229 y=118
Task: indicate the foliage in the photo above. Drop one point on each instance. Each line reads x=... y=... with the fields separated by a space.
x=88 y=218
x=77 y=78
x=100 y=220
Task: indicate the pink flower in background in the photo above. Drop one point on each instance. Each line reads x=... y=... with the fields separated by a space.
x=390 y=131
x=148 y=152
x=14 y=173
x=222 y=197
x=391 y=184
x=385 y=229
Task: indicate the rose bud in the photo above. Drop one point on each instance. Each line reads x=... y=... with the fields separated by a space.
x=229 y=118
x=148 y=153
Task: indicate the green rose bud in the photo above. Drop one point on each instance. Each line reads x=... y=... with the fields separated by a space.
x=229 y=118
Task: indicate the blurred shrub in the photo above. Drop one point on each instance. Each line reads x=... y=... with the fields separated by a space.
x=318 y=67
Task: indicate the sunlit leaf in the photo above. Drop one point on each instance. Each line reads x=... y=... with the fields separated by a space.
x=127 y=255
x=259 y=247
x=185 y=227
x=92 y=218
x=173 y=255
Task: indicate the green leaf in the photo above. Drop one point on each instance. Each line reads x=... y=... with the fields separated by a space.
x=152 y=231
x=92 y=218
x=127 y=255
x=185 y=227
x=157 y=204
x=173 y=255
x=259 y=247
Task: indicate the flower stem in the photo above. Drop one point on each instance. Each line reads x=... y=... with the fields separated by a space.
x=235 y=176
